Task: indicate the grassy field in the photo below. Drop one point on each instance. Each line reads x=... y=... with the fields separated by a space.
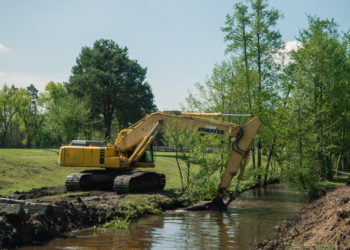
x=24 y=169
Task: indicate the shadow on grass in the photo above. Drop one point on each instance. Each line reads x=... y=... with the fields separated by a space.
x=166 y=155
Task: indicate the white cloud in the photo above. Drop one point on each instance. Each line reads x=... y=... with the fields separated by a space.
x=282 y=56
x=23 y=80
x=4 y=49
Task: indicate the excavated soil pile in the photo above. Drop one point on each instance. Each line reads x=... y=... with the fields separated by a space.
x=24 y=222
x=325 y=223
x=37 y=193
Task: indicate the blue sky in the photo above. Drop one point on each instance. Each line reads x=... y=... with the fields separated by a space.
x=178 y=41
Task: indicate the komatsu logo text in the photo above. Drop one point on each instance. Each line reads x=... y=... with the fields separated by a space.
x=211 y=129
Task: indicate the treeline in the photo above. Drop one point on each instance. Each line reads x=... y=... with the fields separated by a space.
x=107 y=91
x=302 y=97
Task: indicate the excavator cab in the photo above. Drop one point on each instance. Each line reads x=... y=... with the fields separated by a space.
x=147 y=159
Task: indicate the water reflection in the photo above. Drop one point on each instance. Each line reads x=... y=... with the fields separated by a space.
x=251 y=217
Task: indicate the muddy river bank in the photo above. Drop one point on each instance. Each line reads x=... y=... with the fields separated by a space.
x=39 y=215
x=323 y=224
x=250 y=219
x=272 y=217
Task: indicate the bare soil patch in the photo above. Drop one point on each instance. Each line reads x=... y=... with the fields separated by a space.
x=324 y=223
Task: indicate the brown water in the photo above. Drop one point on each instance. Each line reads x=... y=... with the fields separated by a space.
x=252 y=217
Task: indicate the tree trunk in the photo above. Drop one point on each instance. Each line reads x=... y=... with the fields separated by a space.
x=253 y=156
x=28 y=134
x=4 y=135
x=259 y=160
x=259 y=96
x=269 y=158
x=300 y=151
x=179 y=168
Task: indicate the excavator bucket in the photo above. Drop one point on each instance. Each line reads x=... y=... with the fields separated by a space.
x=216 y=204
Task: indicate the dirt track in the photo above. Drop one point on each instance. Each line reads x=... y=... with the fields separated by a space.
x=323 y=224
x=24 y=221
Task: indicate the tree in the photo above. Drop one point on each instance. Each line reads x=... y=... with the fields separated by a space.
x=222 y=93
x=265 y=42
x=239 y=38
x=252 y=39
x=196 y=151
x=8 y=100
x=26 y=108
x=184 y=144
x=322 y=72
x=65 y=117
x=113 y=84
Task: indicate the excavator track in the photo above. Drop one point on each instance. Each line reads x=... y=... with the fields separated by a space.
x=120 y=182
x=76 y=181
x=89 y=180
x=138 y=181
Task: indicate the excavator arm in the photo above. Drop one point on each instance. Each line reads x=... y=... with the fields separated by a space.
x=141 y=135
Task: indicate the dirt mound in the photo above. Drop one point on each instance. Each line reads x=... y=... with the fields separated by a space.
x=325 y=223
x=37 y=193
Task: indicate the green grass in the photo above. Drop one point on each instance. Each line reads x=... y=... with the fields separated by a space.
x=24 y=169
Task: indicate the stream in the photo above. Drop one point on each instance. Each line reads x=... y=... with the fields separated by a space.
x=253 y=216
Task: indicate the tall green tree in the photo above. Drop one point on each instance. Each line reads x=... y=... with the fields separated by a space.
x=8 y=101
x=252 y=38
x=222 y=92
x=238 y=36
x=26 y=108
x=266 y=40
x=65 y=118
x=322 y=72
x=113 y=84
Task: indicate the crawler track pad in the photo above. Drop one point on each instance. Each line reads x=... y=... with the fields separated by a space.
x=121 y=182
x=135 y=182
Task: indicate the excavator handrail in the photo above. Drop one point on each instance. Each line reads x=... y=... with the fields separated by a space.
x=122 y=132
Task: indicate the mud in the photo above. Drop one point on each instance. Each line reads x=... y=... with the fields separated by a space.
x=215 y=205
x=323 y=224
x=32 y=217
x=37 y=193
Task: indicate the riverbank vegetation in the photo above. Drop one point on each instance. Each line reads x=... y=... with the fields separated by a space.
x=301 y=96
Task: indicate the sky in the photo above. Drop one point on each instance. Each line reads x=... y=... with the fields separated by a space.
x=178 y=41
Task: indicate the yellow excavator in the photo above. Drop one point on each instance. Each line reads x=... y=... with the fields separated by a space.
x=132 y=149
